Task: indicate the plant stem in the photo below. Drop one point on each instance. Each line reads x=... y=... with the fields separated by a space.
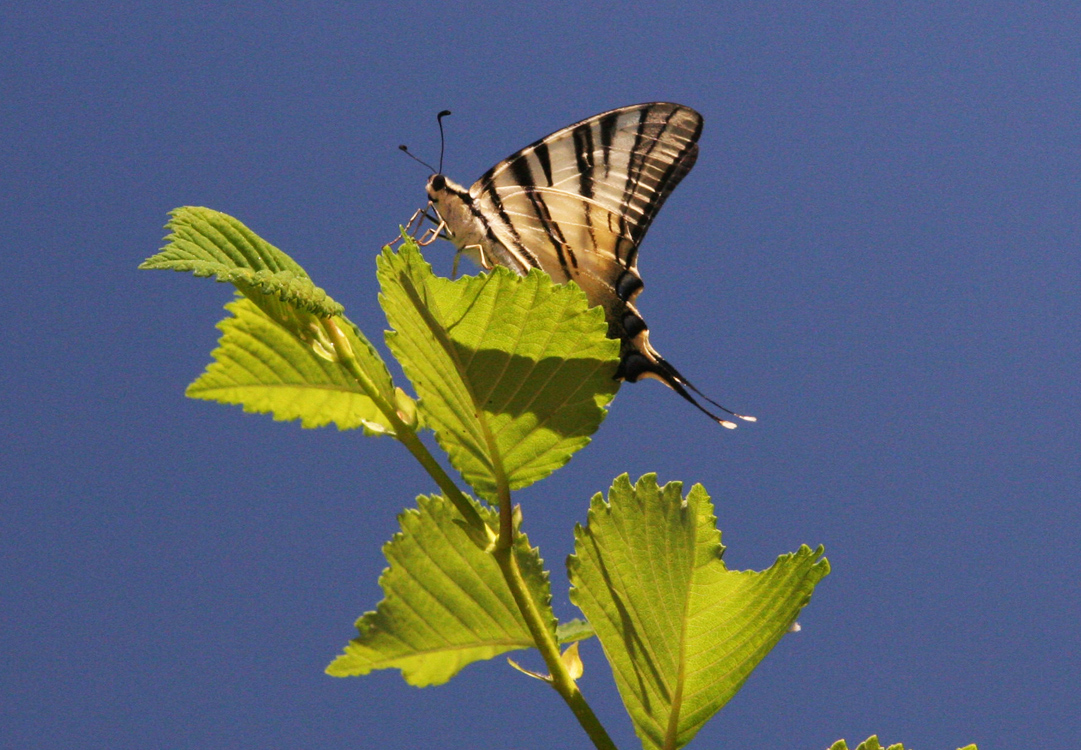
x=407 y=436
x=543 y=639
x=503 y=551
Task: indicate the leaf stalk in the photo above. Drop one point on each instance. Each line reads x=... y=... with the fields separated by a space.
x=408 y=437
x=562 y=681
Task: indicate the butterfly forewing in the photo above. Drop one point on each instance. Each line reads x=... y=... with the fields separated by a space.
x=613 y=172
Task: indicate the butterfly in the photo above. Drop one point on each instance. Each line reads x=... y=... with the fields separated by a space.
x=577 y=204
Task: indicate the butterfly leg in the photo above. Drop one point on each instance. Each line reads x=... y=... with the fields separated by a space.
x=474 y=252
x=482 y=257
x=412 y=227
x=417 y=218
x=431 y=235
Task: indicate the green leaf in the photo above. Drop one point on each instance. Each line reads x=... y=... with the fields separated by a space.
x=261 y=366
x=278 y=354
x=447 y=604
x=513 y=372
x=871 y=743
x=210 y=243
x=573 y=630
x=681 y=631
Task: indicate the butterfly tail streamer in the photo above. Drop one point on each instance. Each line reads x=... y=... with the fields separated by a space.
x=689 y=384
x=637 y=365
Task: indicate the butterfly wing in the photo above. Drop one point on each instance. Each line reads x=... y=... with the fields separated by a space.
x=578 y=202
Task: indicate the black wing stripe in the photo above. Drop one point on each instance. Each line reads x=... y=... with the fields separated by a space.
x=607 y=128
x=519 y=247
x=676 y=171
x=555 y=234
x=545 y=160
x=634 y=176
x=582 y=138
x=523 y=175
x=631 y=259
x=583 y=153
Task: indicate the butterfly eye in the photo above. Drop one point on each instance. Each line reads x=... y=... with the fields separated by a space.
x=438 y=183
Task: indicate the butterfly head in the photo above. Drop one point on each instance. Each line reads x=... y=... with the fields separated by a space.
x=437 y=185
x=454 y=206
x=448 y=197
x=440 y=188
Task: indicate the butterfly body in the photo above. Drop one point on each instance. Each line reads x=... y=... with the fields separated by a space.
x=577 y=204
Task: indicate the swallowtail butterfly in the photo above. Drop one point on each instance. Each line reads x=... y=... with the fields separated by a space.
x=577 y=204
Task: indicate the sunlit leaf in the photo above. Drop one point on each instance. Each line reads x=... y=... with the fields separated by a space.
x=265 y=369
x=681 y=631
x=574 y=630
x=210 y=243
x=446 y=602
x=513 y=373
x=278 y=353
x=872 y=743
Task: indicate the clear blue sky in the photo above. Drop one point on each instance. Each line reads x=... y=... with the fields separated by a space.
x=877 y=254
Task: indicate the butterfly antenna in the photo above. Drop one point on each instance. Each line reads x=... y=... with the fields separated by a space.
x=442 y=142
x=405 y=149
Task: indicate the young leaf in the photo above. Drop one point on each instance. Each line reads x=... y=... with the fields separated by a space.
x=574 y=630
x=573 y=661
x=278 y=354
x=513 y=372
x=259 y=365
x=681 y=631
x=871 y=743
x=447 y=604
x=208 y=242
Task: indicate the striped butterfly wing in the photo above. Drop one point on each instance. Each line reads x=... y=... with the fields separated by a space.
x=578 y=202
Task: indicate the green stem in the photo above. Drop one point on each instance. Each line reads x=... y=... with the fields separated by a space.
x=407 y=436
x=543 y=639
x=503 y=552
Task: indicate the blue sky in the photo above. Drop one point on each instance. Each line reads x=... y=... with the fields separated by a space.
x=876 y=254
